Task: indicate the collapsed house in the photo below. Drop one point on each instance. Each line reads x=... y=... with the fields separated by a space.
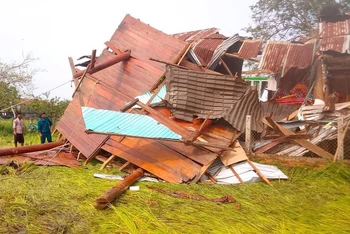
x=176 y=106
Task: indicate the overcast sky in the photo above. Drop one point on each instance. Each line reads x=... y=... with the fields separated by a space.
x=55 y=30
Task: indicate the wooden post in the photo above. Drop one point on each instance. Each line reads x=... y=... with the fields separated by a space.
x=340 y=139
x=248 y=133
x=113 y=193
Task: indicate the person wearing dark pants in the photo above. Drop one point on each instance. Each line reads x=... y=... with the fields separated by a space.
x=18 y=130
x=44 y=124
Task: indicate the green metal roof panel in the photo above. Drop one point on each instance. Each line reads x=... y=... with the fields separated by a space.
x=125 y=124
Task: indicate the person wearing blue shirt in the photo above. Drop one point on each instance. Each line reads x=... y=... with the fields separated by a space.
x=44 y=124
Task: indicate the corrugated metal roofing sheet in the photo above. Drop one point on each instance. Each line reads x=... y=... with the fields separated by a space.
x=132 y=77
x=248 y=105
x=193 y=93
x=206 y=47
x=221 y=50
x=339 y=44
x=250 y=49
x=273 y=56
x=197 y=35
x=329 y=29
x=125 y=124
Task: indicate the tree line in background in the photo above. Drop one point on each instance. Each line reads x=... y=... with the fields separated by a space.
x=290 y=19
x=16 y=89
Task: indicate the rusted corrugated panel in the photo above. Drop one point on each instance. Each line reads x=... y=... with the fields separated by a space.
x=250 y=49
x=330 y=29
x=193 y=93
x=248 y=105
x=273 y=56
x=132 y=77
x=206 y=47
x=339 y=44
x=221 y=50
x=194 y=36
x=278 y=111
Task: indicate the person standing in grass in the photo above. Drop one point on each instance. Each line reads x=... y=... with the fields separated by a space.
x=44 y=124
x=18 y=130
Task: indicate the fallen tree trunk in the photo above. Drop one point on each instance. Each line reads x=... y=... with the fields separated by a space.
x=28 y=149
x=113 y=193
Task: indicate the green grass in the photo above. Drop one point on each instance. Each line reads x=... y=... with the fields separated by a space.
x=60 y=200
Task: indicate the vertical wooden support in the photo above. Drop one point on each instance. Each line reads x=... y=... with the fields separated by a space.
x=248 y=133
x=107 y=161
x=340 y=145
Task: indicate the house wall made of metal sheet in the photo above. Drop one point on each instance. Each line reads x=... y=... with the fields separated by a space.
x=339 y=44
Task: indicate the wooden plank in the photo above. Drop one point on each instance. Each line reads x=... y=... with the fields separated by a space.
x=93 y=59
x=202 y=172
x=236 y=174
x=97 y=149
x=259 y=173
x=304 y=143
x=124 y=166
x=248 y=133
x=105 y=163
x=226 y=67
x=339 y=153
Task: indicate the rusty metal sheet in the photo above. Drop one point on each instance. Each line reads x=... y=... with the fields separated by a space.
x=248 y=105
x=333 y=29
x=134 y=77
x=250 y=49
x=273 y=56
x=206 y=47
x=193 y=93
x=339 y=44
x=196 y=35
x=278 y=111
x=50 y=158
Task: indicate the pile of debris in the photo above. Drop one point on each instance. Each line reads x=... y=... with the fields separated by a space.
x=176 y=106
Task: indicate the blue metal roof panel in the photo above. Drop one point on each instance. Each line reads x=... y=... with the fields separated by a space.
x=125 y=124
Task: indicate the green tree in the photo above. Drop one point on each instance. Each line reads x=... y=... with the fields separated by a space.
x=53 y=107
x=16 y=80
x=288 y=19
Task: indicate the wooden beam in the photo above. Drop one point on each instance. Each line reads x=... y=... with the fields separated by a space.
x=259 y=173
x=81 y=81
x=202 y=171
x=206 y=123
x=226 y=67
x=304 y=143
x=124 y=165
x=129 y=105
x=98 y=148
x=238 y=57
x=93 y=59
x=339 y=153
x=112 y=194
x=248 y=133
x=105 y=163
x=113 y=47
x=168 y=63
x=236 y=174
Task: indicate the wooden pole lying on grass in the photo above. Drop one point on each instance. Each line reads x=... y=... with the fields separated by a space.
x=113 y=193
x=28 y=149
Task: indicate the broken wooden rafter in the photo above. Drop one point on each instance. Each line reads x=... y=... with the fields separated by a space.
x=206 y=123
x=81 y=81
x=238 y=57
x=302 y=142
x=107 y=63
x=93 y=59
x=113 y=47
x=226 y=67
x=113 y=193
x=259 y=173
x=168 y=63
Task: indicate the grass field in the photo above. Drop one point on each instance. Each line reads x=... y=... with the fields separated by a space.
x=60 y=200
